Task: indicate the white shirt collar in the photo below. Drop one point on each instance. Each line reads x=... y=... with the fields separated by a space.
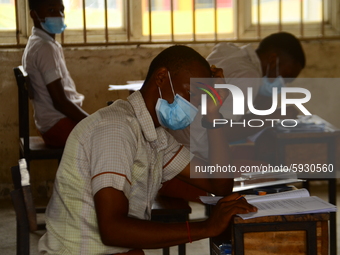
x=42 y=34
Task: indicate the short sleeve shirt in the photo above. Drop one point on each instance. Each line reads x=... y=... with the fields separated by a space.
x=118 y=147
x=44 y=61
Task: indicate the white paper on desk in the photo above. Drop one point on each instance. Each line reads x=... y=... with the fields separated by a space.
x=135 y=82
x=134 y=86
x=290 y=206
x=281 y=195
x=212 y=200
x=238 y=188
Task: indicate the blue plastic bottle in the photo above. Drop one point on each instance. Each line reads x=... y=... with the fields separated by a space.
x=225 y=249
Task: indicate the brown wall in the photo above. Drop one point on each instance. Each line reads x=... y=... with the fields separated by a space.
x=93 y=69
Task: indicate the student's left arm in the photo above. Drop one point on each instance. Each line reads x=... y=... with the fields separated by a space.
x=218 y=146
x=63 y=104
x=219 y=152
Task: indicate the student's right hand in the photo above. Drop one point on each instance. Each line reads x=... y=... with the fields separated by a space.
x=224 y=210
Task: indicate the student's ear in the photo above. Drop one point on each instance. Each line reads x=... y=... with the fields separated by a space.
x=33 y=15
x=161 y=77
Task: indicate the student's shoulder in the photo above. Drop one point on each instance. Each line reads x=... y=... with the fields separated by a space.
x=112 y=119
x=40 y=46
x=120 y=113
x=223 y=48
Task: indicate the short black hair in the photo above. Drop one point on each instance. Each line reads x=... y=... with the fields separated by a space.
x=175 y=58
x=34 y=4
x=284 y=43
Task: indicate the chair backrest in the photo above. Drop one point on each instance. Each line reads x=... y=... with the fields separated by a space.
x=31 y=147
x=23 y=105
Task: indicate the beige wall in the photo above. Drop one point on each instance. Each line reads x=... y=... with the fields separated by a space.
x=93 y=69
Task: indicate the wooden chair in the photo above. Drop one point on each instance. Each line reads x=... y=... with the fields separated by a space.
x=26 y=217
x=31 y=147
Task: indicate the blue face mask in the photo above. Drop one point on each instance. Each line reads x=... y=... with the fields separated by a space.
x=53 y=25
x=267 y=87
x=177 y=115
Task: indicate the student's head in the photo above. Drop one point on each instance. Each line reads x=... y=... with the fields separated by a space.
x=281 y=54
x=42 y=9
x=178 y=63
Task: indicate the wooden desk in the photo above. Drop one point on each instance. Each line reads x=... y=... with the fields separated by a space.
x=305 y=148
x=168 y=209
x=279 y=235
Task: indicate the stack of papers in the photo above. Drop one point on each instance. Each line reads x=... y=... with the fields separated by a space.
x=284 y=203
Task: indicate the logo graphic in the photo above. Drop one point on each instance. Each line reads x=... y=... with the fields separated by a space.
x=239 y=100
x=211 y=92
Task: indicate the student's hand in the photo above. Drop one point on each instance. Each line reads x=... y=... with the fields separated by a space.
x=225 y=209
x=216 y=72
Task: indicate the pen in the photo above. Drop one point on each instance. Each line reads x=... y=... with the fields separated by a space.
x=240 y=197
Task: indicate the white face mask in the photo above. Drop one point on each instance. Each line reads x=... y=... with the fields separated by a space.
x=267 y=87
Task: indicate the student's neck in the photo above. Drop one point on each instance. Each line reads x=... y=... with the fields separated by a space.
x=52 y=35
x=150 y=104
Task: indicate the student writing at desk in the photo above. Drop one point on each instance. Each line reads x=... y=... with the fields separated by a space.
x=116 y=160
x=57 y=104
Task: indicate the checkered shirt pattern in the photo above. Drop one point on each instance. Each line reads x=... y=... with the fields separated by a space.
x=119 y=147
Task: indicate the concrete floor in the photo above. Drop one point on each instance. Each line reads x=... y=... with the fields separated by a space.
x=8 y=231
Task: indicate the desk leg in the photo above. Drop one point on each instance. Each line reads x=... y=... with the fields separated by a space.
x=332 y=196
x=166 y=251
x=332 y=225
x=181 y=249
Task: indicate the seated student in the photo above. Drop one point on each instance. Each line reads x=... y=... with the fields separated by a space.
x=116 y=160
x=278 y=58
x=57 y=104
x=279 y=55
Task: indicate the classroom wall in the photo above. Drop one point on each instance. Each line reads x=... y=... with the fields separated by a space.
x=93 y=69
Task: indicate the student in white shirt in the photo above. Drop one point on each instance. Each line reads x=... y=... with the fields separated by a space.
x=278 y=58
x=57 y=104
x=116 y=160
